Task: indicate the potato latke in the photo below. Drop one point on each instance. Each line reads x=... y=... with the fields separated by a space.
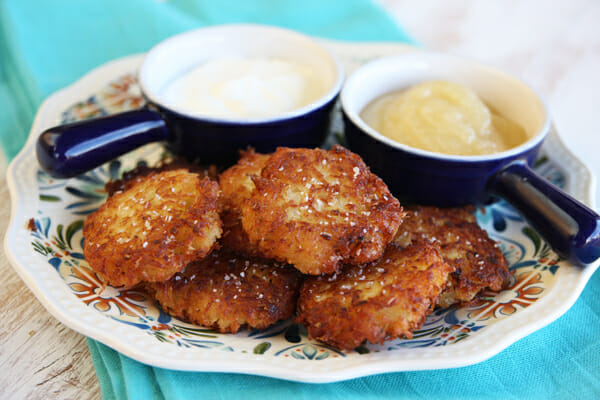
x=237 y=187
x=153 y=229
x=317 y=209
x=379 y=301
x=225 y=291
x=477 y=259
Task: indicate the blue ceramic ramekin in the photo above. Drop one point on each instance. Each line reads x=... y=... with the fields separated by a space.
x=68 y=150
x=423 y=177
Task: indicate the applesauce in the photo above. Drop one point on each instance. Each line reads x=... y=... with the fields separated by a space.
x=442 y=117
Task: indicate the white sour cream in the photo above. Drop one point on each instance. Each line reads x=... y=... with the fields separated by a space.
x=245 y=88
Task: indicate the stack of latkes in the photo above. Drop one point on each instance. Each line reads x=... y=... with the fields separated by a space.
x=308 y=234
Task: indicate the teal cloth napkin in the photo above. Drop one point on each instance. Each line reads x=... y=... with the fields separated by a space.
x=45 y=46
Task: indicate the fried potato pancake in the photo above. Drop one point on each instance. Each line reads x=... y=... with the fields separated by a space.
x=383 y=300
x=227 y=292
x=154 y=228
x=317 y=209
x=477 y=259
x=237 y=187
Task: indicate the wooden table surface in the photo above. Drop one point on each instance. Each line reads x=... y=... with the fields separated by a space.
x=553 y=45
x=40 y=358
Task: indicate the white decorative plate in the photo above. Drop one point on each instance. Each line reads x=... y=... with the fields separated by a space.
x=44 y=245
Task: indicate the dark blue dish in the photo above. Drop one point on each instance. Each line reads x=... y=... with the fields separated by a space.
x=69 y=150
x=422 y=177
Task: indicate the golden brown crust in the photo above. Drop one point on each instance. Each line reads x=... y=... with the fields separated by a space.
x=226 y=292
x=477 y=259
x=237 y=187
x=383 y=300
x=154 y=228
x=317 y=209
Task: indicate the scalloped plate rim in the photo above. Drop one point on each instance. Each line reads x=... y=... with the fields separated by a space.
x=329 y=370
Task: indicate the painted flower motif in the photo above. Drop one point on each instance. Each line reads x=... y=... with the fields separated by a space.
x=60 y=242
x=184 y=336
x=104 y=298
x=441 y=333
x=310 y=351
x=456 y=333
x=513 y=251
x=547 y=259
x=498 y=215
x=47 y=183
x=124 y=94
x=524 y=290
x=83 y=110
x=120 y=95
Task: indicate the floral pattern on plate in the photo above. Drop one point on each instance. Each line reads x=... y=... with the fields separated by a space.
x=532 y=261
x=44 y=244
